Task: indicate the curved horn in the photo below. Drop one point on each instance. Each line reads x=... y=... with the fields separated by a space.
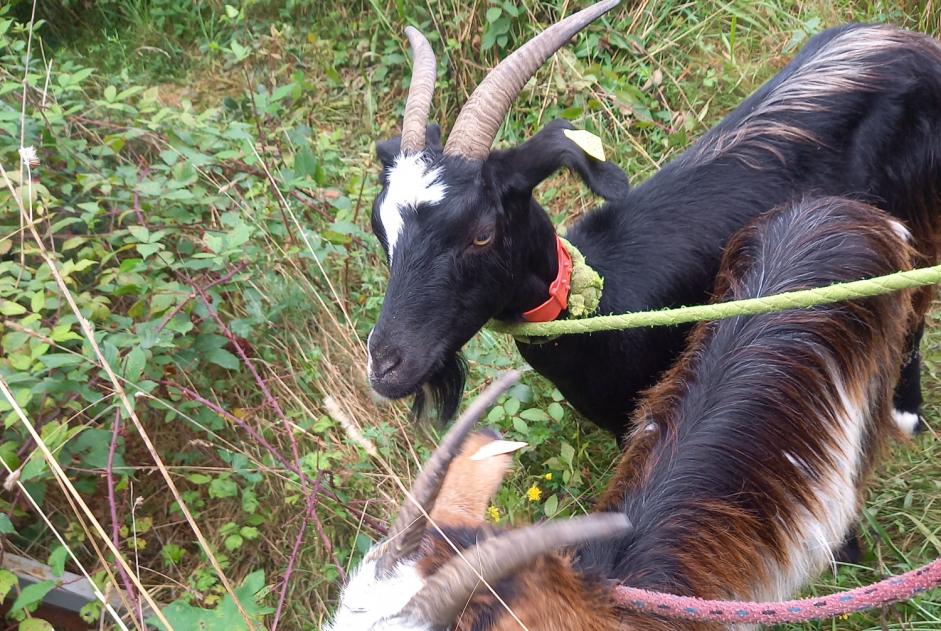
x=482 y=115
x=447 y=592
x=406 y=533
x=420 y=91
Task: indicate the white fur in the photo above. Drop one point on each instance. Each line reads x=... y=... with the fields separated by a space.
x=907 y=421
x=820 y=531
x=901 y=231
x=412 y=181
x=370 y=603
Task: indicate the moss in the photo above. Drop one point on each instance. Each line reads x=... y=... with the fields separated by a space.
x=587 y=285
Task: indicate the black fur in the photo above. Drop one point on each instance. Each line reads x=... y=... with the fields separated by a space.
x=875 y=139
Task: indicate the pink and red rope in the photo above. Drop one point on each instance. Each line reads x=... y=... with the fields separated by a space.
x=888 y=591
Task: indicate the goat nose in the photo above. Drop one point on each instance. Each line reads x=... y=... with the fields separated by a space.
x=383 y=359
x=385 y=363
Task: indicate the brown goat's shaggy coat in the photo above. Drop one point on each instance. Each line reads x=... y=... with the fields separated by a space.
x=751 y=454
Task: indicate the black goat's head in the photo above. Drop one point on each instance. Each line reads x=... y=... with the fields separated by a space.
x=457 y=221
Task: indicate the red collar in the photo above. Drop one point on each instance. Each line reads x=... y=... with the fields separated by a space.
x=558 y=290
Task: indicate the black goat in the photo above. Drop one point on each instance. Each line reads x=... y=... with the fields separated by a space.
x=857 y=113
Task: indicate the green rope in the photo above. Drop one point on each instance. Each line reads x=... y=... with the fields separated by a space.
x=802 y=299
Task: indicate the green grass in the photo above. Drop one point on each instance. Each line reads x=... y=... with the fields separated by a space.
x=649 y=84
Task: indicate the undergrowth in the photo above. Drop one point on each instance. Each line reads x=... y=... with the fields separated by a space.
x=203 y=187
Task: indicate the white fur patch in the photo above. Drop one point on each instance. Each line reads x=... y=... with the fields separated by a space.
x=819 y=532
x=907 y=421
x=411 y=182
x=370 y=603
x=901 y=231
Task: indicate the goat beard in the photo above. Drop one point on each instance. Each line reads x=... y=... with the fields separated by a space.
x=440 y=396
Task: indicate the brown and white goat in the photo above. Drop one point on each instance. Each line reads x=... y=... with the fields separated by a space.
x=747 y=466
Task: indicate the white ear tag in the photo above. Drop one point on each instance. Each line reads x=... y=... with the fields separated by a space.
x=497 y=448
x=587 y=142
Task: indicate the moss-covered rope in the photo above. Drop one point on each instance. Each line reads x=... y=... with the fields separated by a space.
x=752 y=306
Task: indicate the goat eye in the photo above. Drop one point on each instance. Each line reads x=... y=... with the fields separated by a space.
x=484 y=237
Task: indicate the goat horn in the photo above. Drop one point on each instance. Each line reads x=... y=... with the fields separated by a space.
x=406 y=533
x=482 y=115
x=447 y=591
x=420 y=91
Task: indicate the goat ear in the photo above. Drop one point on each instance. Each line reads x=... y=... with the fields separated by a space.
x=521 y=169
x=471 y=482
x=388 y=150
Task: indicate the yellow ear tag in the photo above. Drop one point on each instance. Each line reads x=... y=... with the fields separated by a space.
x=587 y=142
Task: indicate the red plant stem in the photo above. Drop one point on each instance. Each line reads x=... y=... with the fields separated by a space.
x=195 y=396
x=223 y=279
x=328 y=546
x=311 y=511
x=115 y=524
x=258 y=380
x=376 y=526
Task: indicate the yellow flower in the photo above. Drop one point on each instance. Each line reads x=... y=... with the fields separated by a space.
x=548 y=476
x=493 y=514
x=534 y=493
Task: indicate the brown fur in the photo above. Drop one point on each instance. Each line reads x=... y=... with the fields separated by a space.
x=469 y=485
x=774 y=394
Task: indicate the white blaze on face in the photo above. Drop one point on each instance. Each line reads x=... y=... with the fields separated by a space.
x=412 y=181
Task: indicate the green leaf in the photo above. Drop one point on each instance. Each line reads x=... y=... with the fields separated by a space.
x=223 y=487
x=249 y=501
x=38 y=301
x=551 y=506
x=140 y=233
x=249 y=532
x=35 y=624
x=57 y=560
x=91 y=447
x=6 y=526
x=7 y=581
x=556 y=411
x=199 y=478
x=233 y=542
x=10 y=308
x=493 y=14
x=305 y=163
x=496 y=414
x=31 y=595
x=149 y=249
x=520 y=425
x=567 y=452
x=534 y=414
x=110 y=93
x=214 y=242
x=226 y=616
x=134 y=364
x=91 y=612
x=60 y=360
x=224 y=358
